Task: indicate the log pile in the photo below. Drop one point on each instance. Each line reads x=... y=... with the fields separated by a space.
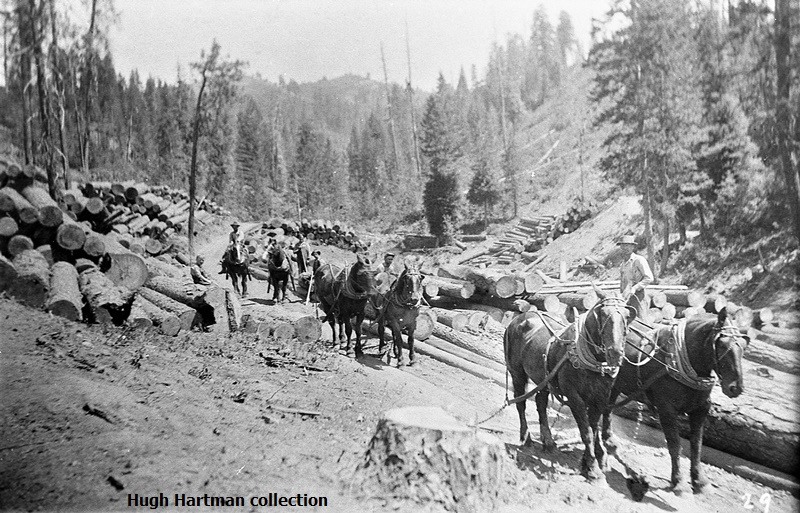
x=89 y=255
x=319 y=231
x=528 y=236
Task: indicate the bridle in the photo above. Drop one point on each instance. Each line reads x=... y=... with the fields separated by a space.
x=728 y=331
x=397 y=293
x=586 y=335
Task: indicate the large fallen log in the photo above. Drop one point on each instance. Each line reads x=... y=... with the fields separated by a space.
x=686 y=298
x=486 y=281
x=772 y=356
x=786 y=338
x=449 y=287
x=509 y=304
x=13 y=202
x=8 y=227
x=127 y=269
x=473 y=340
x=64 y=298
x=285 y=324
x=450 y=303
x=760 y=425
x=452 y=319
x=460 y=471
x=8 y=273
x=108 y=302
x=50 y=214
x=186 y=314
x=32 y=280
x=167 y=322
x=139 y=318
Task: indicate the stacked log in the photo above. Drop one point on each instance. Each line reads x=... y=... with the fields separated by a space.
x=487 y=282
x=64 y=298
x=32 y=281
x=320 y=231
x=108 y=303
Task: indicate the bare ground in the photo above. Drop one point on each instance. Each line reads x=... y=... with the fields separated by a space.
x=90 y=416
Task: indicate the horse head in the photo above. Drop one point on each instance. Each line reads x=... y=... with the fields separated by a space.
x=408 y=288
x=607 y=325
x=729 y=345
x=361 y=277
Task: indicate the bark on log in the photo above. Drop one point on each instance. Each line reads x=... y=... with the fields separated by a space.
x=454 y=320
x=486 y=281
x=450 y=303
x=32 y=282
x=65 y=298
x=466 y=354
x=450 y=287
x=186 y=314
x=8 y=273
x=461 y=470
x=686 y=298
x=13 y=202
x=19 y=244
x=287 y=324
x=50 y=214
x=786 y=338
x=139 y=318
x=182 y=290
x=773 y=356
x=473 y=340
x=108 y=303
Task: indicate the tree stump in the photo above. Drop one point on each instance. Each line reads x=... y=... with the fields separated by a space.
x=424 y=455
x=65 y=298
x=33 y=279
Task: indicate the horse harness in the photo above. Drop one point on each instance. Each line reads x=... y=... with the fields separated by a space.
x=679 y=367
x=392 y=297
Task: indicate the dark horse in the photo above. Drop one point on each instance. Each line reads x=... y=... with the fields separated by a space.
x=342 y=295
x=280 y=268
x=399 y=308
x=671 y=366
x=537 y=345
x=235 y=265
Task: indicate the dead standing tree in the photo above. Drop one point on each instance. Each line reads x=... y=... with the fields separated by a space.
x=220 y=77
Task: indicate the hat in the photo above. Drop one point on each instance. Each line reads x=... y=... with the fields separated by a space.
x=627 y=239
x=235 y=223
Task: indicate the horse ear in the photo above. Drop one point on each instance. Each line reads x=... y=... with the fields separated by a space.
x=722 y=315
x=600 y=293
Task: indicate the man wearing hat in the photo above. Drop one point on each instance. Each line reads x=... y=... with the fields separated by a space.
x=235 y=237
x=635 y=275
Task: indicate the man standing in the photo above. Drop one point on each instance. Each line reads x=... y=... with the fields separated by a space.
x=635 y=276
x=199 y=274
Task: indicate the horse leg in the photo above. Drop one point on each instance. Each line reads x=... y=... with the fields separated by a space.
x=608 y=437
x=595 y=415
x=412 y=354
x=381 y=328
x=542 y=398
x=697 y=420
x=397 y=342
x=357 y=329
x=519 y=381
x=235 y=280
x=348 y=326
x=589 y=468
x=669 y=424
x=244 y=284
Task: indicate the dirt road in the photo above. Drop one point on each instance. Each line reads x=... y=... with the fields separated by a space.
x=91 y=416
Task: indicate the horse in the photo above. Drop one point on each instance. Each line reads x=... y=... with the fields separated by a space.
x=399 y=309
x=236 y=264
x=342 y=295
x=594 y=345
x=671 y=366
x=280 y=269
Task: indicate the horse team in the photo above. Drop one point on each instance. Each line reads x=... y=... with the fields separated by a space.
x=586 y=364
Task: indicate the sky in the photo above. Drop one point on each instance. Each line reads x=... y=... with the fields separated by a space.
x=307 y=40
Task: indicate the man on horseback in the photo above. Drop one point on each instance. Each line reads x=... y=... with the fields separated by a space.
x=635 y=275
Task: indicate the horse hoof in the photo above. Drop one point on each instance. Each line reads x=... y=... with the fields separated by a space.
x=681 y=489
x=351 y=354
x=412 y=363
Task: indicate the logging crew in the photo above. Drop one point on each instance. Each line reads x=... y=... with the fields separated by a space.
x=635 y=275
x=199 y=274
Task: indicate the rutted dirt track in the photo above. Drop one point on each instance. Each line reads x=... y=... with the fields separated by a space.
x=91 y=416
